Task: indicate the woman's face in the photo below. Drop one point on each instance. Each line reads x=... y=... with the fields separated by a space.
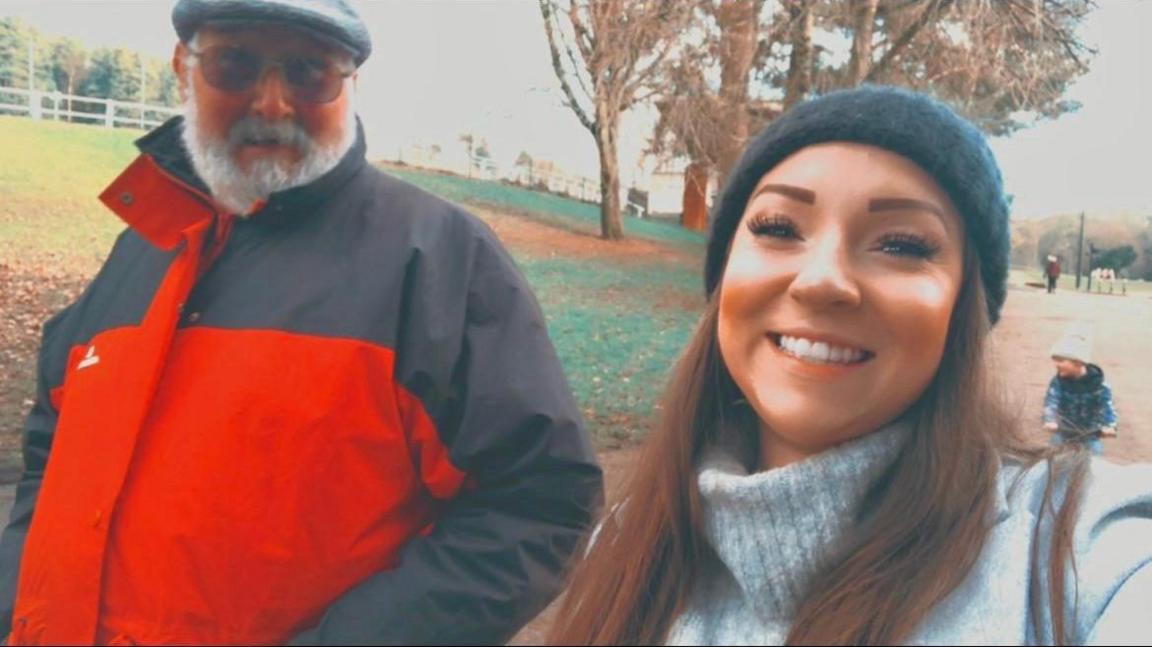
x=837 y=295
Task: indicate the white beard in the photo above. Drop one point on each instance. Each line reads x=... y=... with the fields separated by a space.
x=239 y=190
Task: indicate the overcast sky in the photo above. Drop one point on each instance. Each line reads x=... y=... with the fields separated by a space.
x=447 y=67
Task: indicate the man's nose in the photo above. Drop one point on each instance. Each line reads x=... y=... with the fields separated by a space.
x=272 y=100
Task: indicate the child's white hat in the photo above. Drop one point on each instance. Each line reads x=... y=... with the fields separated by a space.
x=1075 y=344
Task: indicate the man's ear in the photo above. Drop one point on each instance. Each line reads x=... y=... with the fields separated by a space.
x=180 y=69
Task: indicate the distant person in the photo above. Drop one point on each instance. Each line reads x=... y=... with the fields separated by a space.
x=1078 y=406
x=1052 y=272
x=834 y=464
x=303 y=401
x=1124 y=280
x=1110 y=278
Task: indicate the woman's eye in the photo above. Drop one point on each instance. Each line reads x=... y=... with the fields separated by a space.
x=908 y=246
x=773 y=227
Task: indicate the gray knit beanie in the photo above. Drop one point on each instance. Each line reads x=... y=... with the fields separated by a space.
x=912 y=125
x=1075 y=344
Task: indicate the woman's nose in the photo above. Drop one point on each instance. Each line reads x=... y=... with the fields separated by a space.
x=826 y=277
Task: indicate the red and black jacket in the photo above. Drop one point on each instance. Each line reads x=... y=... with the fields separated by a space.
x=339 y=420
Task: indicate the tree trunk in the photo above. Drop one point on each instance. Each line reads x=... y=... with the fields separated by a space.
x=695 y=215
x=607 y=125
x=863 y=25
x=800 y=63
x=738 y=21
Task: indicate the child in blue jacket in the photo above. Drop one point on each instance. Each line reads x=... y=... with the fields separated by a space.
x=1078 y=406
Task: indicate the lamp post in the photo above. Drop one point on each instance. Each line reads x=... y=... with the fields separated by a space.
x=1091 y=255
x=1080 y=251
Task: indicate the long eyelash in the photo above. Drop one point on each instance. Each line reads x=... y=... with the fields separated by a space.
x=765 y=224
x=926 y=248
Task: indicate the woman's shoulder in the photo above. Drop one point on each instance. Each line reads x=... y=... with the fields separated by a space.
x=1109 y=492
x=1111 y=543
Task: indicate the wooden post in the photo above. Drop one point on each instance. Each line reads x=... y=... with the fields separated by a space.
x=110 y=114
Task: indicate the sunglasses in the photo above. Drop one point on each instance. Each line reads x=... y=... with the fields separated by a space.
x=310 y=79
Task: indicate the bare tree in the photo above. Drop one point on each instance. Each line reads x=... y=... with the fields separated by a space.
x=470 y=142
x=709 y=126
x=738 y=21
x=863 y=29
x=800 y=58
x=1001 y=63
x=606 y=53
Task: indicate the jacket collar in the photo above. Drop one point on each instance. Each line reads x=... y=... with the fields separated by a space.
x=160 y=195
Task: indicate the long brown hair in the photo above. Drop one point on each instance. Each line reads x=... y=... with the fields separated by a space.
x=932 y=515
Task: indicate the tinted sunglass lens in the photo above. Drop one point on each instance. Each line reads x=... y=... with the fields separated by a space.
x=231 y=69
x=313 y=81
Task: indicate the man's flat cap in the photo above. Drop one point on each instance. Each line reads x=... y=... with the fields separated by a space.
x=332 y=19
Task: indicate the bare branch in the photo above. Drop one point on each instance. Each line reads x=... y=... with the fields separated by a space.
x=558 y=66
x=576 y=67
x=585 y=41
x=645 y=76
x=904 y=39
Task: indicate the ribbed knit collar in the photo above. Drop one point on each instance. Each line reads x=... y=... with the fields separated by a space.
x=775 y=530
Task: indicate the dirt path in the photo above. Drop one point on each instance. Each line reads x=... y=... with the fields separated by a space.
x=1034 y=320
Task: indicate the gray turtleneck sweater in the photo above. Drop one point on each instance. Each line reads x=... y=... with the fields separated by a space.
x=774 y=531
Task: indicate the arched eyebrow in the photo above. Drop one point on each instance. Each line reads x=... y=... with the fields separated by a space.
x=808 y=196
x=903 y=204
x=796 y=193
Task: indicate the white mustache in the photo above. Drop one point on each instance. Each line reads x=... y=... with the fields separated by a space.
x=286 y=133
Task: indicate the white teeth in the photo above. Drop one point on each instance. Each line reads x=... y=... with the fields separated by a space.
x=802 y=347
x=820 y=352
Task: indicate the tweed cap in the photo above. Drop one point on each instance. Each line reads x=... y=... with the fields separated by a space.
x=924 y=130
x=332 y=19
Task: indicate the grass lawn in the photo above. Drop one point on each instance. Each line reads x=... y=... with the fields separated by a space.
x=558 y=210
x=50 y=175
x=618 y=321
x=617 y=329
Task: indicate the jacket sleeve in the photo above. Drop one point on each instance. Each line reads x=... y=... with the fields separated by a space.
x=1113 y=553
x=1125 y=621
x=37 y=442
x=1052 y=402
x=1107 y=416
x=530 y=487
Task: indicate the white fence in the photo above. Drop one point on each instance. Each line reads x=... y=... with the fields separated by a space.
x=537 y=175
x=89 y=110
x=557 y=181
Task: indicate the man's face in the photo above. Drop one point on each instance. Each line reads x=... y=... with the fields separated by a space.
x=273 y=132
